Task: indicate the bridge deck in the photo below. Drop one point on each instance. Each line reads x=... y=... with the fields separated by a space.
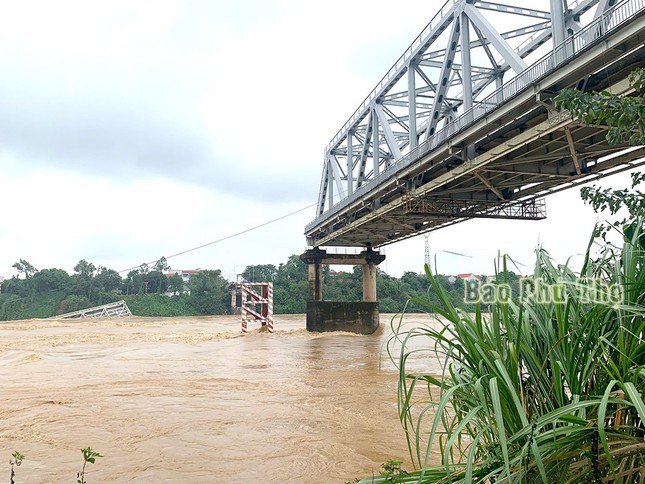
x=498 y=159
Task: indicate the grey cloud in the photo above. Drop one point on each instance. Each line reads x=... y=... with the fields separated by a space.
x=124 y=140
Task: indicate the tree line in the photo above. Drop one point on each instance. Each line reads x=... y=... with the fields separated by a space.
x=149 y=291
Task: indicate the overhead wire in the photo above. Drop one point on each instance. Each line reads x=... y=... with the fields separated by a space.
x=222 y=239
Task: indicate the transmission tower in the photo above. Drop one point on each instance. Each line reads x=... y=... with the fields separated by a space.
x=427 y=252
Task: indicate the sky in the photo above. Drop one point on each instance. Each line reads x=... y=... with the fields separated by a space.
x=135 y=130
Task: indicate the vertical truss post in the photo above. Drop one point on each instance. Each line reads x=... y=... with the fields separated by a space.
x=557 y=22
x=330 y=184
x=350 y=163
x=376 y=143
x=412 y=105
x=499 y=83
x=466 y=66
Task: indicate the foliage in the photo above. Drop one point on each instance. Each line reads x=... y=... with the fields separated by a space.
x=89 y=457
x=159 y=305
x=176 y=285
x=15 y=461
x=24 y=267
x=73 y=303
x=33 y=306
x=624 y=115
x=209 y=293
x=148 y=291
x=393 y=473
x=608 y=199
x=536 y=390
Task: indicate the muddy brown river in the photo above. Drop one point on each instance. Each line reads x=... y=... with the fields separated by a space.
x=194 y=400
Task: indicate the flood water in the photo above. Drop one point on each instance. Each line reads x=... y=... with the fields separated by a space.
x=194 y=400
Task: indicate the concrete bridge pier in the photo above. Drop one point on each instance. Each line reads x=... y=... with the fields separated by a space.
x=355 y=316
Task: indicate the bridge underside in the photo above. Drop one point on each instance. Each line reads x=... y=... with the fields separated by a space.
x=501 y=165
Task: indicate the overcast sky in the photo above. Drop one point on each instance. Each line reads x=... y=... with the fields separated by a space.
x=132 y=130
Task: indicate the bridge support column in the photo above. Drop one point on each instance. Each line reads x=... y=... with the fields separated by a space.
x=315 y=274
x=369 y=282
x=357 y=317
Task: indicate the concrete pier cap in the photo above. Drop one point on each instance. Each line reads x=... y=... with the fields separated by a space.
x=355 y=316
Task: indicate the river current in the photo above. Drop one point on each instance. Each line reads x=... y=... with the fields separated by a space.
x=194 y=400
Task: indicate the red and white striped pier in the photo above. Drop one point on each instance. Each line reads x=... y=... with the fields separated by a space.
x=257 y=304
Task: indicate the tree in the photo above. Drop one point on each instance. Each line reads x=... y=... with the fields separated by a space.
x=50 y=280
x=133 y=283
x=108 y=280
x=260 y=273
x=84 y=274
x=176 y=285
x=85 y=269
x=209 y=292
x=24 y=267
x=161 y=265
x=624 y=115
x=156 y=282
x=73 y=303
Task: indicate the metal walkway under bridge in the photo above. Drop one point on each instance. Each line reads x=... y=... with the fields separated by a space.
x=463 y=125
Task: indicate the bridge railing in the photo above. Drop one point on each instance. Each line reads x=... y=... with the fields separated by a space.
x=581 y=40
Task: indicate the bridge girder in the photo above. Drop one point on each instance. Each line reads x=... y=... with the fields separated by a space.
x=432 y=94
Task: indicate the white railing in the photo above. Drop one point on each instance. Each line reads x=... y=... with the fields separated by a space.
x=565 y=51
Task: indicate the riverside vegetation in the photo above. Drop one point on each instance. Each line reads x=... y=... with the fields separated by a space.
x=148 y=292
x=89 y=457
x=535 y=390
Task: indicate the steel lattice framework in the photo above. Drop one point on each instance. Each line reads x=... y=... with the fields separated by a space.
x=459 y=72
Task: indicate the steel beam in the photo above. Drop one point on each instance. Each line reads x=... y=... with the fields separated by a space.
x=376 y=143
x=387 y=131
x=510 y=56
x=446 y=69
x=557 y=21
x=412 y=106
x=500 y=7
x=350 y=163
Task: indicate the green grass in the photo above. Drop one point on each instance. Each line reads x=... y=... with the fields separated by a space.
x=532 y=391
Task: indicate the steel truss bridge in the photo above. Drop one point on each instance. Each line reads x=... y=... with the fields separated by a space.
x=463 y=125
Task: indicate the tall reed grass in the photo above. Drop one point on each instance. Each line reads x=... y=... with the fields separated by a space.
x=532 y=390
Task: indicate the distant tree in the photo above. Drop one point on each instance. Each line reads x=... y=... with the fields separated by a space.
x=51 y=280
x=85 y=269
x=24 y=267
x=161 y=265
x=83 y=278
x=133 y=283
x=157 y=282
x=260 y=273
x=209 y=292
x=107 y=280
x=73 y=303
x=176 y=285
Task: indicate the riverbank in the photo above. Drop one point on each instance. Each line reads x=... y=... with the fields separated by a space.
x=192 y=400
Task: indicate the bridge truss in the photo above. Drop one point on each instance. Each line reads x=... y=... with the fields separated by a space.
x=463 y=122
